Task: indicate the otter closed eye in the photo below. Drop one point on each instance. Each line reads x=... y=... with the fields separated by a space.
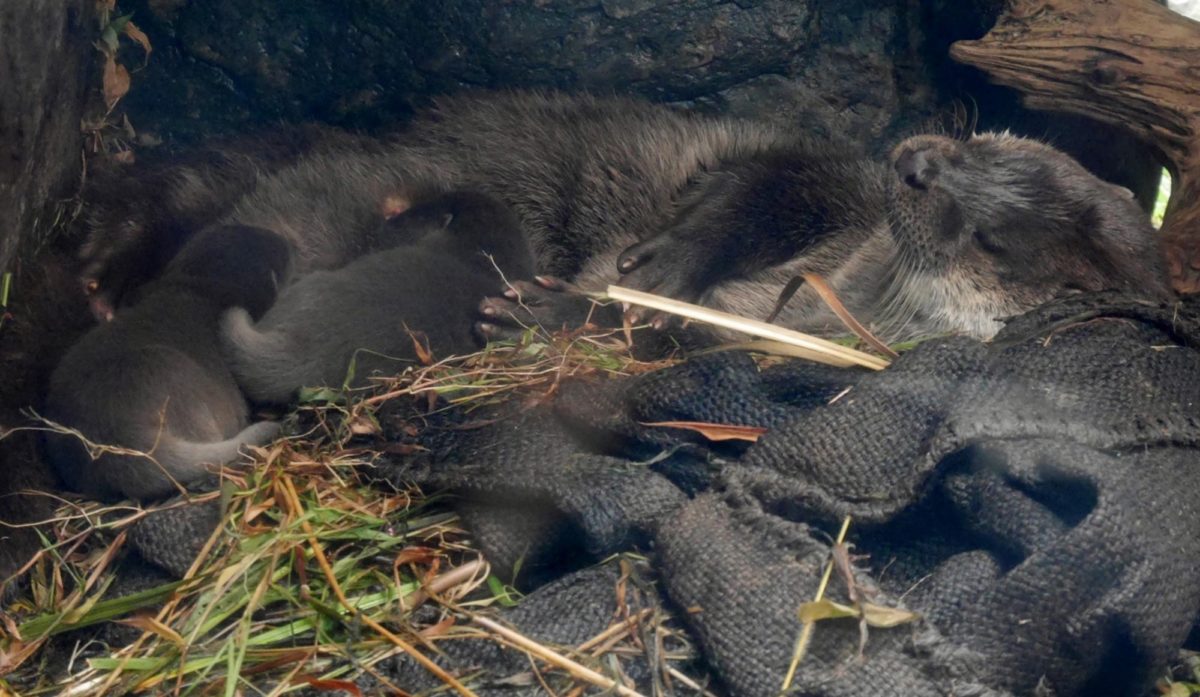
x=989 y=241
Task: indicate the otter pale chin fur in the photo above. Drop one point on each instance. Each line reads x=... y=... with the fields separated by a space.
x=153 y=380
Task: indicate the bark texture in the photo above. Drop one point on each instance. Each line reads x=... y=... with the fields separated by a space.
x=869 y=70
x=45 y=60
x=1132 y=63
x=46 y=65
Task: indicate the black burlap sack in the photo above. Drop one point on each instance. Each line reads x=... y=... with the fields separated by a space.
x=1032 y=499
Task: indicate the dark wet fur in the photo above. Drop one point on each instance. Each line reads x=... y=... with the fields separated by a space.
x=138 y=216
x=450 y=251
x=154 y=380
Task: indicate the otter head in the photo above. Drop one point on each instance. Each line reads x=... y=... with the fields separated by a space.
x=997 y=224
x=112 y=265
x=233 y=266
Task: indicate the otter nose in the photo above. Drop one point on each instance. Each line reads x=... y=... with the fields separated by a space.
x=916 y=168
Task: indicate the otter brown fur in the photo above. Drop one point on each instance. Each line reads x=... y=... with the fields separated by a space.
x=450 y=250
x=953 y=237
x=726 y=211
x=153 y=379
x=138 y=216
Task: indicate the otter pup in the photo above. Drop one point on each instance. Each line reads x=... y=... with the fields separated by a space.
x=153 y=379
x=450 y=251
x=139 y=215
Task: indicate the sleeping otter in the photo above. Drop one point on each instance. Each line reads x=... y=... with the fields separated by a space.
x=153 y=380
x=449 y=250
x=951 y=237
x=139 y=216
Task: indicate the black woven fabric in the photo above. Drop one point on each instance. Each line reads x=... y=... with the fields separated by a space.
x=1033 y=499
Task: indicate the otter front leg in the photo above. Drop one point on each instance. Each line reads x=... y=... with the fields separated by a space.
x=759 y=212
x=545 y=302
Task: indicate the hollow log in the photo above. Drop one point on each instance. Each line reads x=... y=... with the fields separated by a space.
x=1133 y=63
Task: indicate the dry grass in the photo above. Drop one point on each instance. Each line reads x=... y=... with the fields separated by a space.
x=315 y=576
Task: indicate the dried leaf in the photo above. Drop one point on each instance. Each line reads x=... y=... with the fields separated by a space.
x=131 y=30
x=421 y=349
x=875 y=615
x=331 y=685
x=363 y=425
x=885 y=617
x=437 y=630
x=124 y=157
x=716 y=432
x=147 y=623
x=825 y=610
x=116 y=81
x=255 y=510
x=414 y=554
x=831 y=299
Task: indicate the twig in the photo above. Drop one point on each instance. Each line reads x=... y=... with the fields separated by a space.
x=821 y=350
x=576 y=670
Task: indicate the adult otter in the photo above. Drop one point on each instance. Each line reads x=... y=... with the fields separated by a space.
x=959 y=235
x=728 y=210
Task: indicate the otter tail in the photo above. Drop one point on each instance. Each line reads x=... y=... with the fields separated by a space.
x=260 y=361
x=187 y=461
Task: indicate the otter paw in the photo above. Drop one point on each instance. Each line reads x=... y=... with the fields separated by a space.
x=659 y=265
x=545 y=302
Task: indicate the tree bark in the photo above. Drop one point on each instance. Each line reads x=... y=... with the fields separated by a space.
x=45 y=59
x=1133 y=63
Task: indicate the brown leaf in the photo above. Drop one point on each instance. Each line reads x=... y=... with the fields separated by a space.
x=124 y=157
x=131 y=30
x=147 y=623
x=414 y=554
x=831 y=299
x=116 y=81
x=331 y=685
x=421 y=349
x=438 y=629
x=716 y=432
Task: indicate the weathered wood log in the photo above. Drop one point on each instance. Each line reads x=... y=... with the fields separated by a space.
x=45 y=61
x=1133 y=63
